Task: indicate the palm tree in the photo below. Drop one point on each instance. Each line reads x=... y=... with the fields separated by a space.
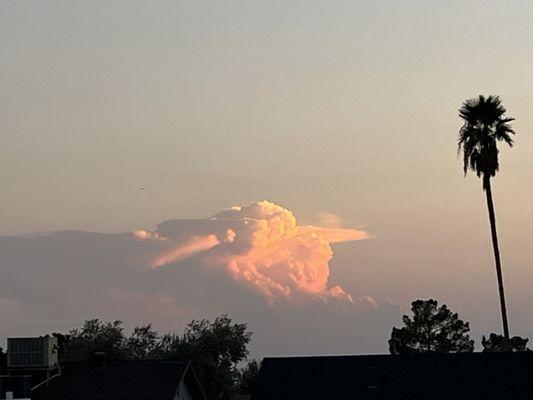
x=485 y=125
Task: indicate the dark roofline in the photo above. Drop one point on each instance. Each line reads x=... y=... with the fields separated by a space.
x=478 y=354
x=176 y=373
x=197 y=385
x=444 y=375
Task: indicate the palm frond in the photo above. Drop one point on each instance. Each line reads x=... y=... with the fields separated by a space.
x=484 y=125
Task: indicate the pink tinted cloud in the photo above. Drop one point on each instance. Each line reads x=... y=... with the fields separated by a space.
x=262 y=246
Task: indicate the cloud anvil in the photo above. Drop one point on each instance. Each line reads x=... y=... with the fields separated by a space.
x=260 y=245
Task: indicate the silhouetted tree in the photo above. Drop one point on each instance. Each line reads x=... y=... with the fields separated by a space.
x=97 y=336
x=142 y=343
x=94 y=336
x=248 y=376
x=498 y=343
x=432 y=329
x=215 y=349
x=484 y=126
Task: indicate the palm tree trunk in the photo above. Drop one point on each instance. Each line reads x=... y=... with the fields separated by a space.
x=492 y=218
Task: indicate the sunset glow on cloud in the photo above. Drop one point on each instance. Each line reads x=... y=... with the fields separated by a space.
x=262 y=246
x=195 y=245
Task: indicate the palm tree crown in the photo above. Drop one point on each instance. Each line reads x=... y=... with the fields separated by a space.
x=484 y=125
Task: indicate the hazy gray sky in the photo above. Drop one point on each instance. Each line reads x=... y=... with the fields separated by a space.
x=348 y=107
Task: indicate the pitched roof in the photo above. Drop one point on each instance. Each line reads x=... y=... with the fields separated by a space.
x=421 y=376
x=126 y=380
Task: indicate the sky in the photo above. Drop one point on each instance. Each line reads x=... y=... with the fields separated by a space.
x=342 y=113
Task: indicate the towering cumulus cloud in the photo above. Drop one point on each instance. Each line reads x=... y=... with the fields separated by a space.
x=254 y=262
x=260 y=245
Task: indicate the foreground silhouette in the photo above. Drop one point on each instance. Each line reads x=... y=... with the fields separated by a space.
x=428 y=376
x=485 y=125
x=433 y=329
x=497 y=343
x=216 y=349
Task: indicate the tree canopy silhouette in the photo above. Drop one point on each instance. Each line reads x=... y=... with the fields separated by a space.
x=247 y=377
x=142 y=343
x=498 y=343
x=485 y=124
x=433 y=329
x=215 y=349
x=93 y=337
